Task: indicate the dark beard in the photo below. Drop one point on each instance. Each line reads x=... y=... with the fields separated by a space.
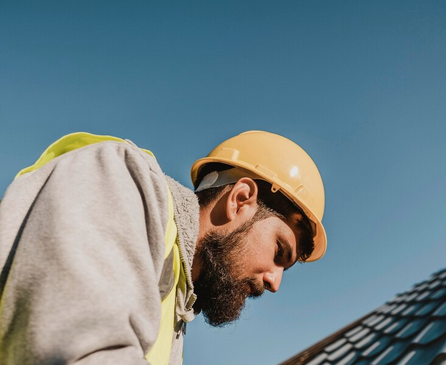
x=221 y=294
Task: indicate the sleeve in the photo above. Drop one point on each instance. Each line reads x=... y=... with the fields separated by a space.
x=83 y=284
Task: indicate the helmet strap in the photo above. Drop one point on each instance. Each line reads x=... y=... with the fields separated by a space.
x=216 y=179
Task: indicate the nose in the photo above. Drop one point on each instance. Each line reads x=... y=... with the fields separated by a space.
x=273 y=278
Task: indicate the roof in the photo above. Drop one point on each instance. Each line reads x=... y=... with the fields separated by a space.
x=408 y=330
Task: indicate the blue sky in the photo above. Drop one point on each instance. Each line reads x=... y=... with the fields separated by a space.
x=361 y=86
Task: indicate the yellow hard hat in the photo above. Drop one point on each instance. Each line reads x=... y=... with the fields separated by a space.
x=282 y=163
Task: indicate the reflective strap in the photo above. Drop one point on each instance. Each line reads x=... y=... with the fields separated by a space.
x=68 y=143
x=159 y=354
x=167 y=279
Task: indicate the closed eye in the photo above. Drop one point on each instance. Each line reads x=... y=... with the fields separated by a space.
x=283 y=255
x=279 y=256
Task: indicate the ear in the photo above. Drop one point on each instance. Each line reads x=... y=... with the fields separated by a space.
x=242 y=199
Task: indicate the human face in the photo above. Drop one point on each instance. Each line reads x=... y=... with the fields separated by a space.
x=242 y=263
x=270 y=249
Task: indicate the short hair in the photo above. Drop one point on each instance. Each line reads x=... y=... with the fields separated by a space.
x=276 y=202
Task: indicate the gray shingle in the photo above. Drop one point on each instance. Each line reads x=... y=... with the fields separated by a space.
x=384 y=323
x=359 y=335
x=423 y=296
x=399 y=308
x=378 y=347
x=434 y=284
x=397 y=326
x=349 y=359
x=340 y=353
x=318 y=359
x=353 y=332
x=413 y=308
x=366 y=341
x=335 y=345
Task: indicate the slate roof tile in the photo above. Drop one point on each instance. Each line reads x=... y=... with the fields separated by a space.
x=384 y=323
x=386 y=308
x=392 y=353
x=399 y=298
x=372 y=319
x=411 y=297
x=410 y=329
x=441 y=311
x=393 y=328
x=423 y=296
x=335 y=345
x=340 y=352
x=440 y=293
x=433 y=331
x=349 y=359
x=413 y=308
x=381 y=359
x=378 y=347
x=434 y=284
x=354 y=331
x=318 y=359
x=425 y=355
x=396 y=326
x=399 y=308
x=359 y=335
x=407 y=358
x=366 y=341
x=427 y=309
x=422 y=287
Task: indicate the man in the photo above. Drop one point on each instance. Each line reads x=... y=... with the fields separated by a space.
x=104 y=259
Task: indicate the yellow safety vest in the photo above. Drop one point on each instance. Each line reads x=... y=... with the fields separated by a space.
x=173 y=271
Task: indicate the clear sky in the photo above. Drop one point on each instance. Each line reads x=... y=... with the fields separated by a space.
x=360 y=85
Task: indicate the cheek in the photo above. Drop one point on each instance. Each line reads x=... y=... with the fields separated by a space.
x=258 y=252
x=241 y=254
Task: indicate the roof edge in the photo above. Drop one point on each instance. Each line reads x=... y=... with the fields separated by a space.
x=309 y=352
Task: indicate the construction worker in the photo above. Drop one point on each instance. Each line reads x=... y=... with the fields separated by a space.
x=105 y=259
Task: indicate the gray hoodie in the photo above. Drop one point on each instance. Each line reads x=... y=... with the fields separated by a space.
x=81 y=252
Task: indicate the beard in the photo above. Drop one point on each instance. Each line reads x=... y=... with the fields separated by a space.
x=221 y=292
